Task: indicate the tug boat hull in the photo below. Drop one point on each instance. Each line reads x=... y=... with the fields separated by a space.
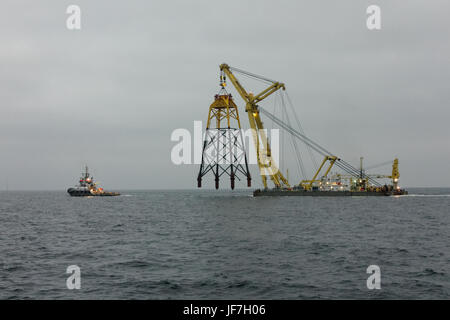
x=86 y=193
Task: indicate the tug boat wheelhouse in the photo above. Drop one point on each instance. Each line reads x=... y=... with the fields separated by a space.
x=88 y=188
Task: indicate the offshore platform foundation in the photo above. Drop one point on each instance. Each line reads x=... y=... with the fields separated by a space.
x=223 y=148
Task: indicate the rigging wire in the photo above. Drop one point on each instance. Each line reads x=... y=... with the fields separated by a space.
x=311 y=155
x=319 y=149
x=252 y=75
x=300 y=135
x=378 y=165
x=294 y=142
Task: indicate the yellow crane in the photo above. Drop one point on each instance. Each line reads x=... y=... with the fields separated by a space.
x=308 y=184
x=395 y=175
x=266 y=164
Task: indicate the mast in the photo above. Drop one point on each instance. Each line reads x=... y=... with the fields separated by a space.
x=361 y=167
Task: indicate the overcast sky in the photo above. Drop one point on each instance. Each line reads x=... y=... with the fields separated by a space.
x=111 y=94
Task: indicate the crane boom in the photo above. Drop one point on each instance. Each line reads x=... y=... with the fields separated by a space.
x=308 y=184
x=266 y=164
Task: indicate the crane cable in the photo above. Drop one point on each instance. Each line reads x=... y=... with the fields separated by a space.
x=300 y=163
x=294 y=142
x=340 y=163
x=378 y=165
x=299 y=125
x=324 y=152
x=252 y=75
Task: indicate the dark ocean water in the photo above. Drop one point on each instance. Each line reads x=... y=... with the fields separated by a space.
x=224 y=245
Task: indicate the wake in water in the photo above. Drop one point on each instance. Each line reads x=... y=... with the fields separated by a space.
x=427 y=195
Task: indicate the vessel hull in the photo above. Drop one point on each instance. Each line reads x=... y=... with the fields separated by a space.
x=301 y=193
x=83 y=193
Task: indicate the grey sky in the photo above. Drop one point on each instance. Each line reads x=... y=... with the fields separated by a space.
x=111 y=94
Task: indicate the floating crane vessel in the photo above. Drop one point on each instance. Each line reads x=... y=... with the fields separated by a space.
x=224 y=152
x=88 y=188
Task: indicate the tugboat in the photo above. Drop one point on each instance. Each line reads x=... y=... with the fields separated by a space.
x=88 y=188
